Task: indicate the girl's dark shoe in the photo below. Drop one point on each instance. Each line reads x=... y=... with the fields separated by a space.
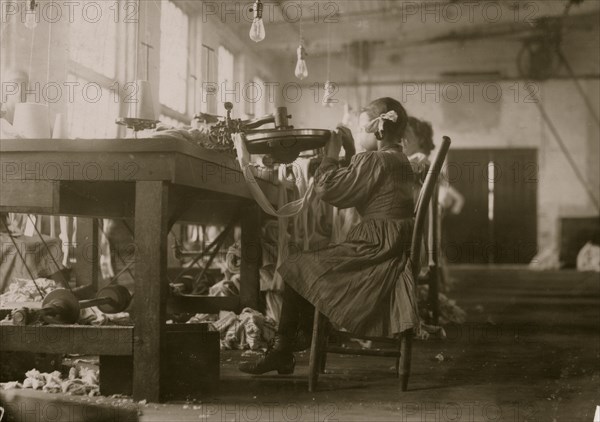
x=274 y=360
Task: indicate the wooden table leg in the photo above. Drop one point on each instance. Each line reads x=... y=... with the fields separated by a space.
x=251 y=257
x=87 y=252
x=151 y=219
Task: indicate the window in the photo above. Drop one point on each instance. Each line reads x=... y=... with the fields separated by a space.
x=226 y=74
x=173 y=57
x=94 y=44
x=208 y=67
x=93 y=104
x=94 y=109
x=259 y=97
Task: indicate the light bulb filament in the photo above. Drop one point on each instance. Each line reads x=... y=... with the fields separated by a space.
x=257 y=30
x=301 y=67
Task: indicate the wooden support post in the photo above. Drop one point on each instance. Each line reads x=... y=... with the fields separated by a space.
x=251 y=257
x=151 y=220
x=87 y=252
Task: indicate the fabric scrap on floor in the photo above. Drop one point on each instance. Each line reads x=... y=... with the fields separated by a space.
x=588 y=258
x=250 y=330
x=80 y=382
x=450 y=312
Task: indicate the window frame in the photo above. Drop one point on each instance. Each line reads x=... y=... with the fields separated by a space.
x=184 y=118
x=81 y=71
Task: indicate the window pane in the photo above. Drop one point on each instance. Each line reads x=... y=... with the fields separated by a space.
x=259 y=98
x=92 y=110
x=173 y=57
x=226 y=74
x=208 y=66
x=93 y=38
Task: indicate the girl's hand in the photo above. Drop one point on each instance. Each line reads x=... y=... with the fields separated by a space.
x=334 y=146
x=347 y=141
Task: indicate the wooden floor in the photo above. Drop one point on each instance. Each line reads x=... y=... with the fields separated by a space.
x=530 y=351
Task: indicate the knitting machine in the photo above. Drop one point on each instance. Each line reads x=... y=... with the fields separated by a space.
x=283 y=143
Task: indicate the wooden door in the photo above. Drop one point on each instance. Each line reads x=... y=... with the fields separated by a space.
x=515 y=206
x=467 y=234
x=498 y=223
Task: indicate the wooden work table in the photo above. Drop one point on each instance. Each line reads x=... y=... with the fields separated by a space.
x=156 y=182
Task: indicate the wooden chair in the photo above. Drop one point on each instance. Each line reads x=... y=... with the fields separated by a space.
x=402 y=353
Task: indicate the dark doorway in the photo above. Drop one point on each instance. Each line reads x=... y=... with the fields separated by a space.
x=498 y=223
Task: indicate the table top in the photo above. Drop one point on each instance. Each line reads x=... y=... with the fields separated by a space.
x=128 y=160
x=109 y=145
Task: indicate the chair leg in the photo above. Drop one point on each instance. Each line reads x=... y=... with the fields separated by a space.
x=434 y=288
x=323 y=361
x=313 y=365
x=405 y=357
x=398 y=359
x=322 y=346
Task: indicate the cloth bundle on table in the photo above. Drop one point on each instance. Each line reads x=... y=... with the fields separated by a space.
x=24 y=290
x=227 y=287
x=233 y=258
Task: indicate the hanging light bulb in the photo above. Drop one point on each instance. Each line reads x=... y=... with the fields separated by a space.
x=301 y=68
x=30 y=18
x=257 y=30
x=328 y=100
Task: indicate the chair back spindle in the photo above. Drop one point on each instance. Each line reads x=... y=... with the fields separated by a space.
x=424 y=202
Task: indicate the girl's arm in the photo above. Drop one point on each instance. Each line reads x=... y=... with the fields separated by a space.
x=333 y=146
x=348 y=186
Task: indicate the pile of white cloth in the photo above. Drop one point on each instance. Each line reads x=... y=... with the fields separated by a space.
x=80 y=382
x=250 y=330
x=21 y=290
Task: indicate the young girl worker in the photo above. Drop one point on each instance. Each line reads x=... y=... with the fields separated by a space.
x=365 y=283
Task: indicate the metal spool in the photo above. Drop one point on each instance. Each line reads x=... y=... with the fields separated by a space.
x=60 y=306
x=119 y=299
